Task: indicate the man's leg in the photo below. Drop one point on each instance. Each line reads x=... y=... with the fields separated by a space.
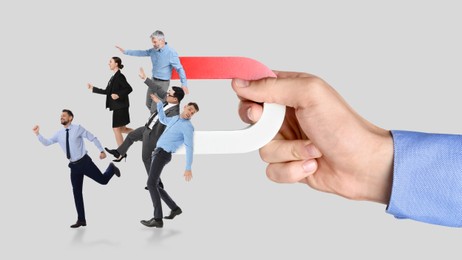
x=149 y=144
x=159 y=159
x=166 y=198
x=77 y=185
x=92 y=171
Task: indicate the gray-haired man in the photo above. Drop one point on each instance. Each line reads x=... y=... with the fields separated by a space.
x=164 y=59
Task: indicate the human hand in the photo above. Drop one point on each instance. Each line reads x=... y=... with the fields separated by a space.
x=36 y=129
x=90 y=86
x=155 y=98
x=120 y=49
x=322 y=142
x=102 y=155
x=142 y=74
x=114 y=96
x=187 y=175
x=185 y=89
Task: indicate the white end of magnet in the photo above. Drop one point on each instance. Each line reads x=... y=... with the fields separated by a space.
x=240 y=141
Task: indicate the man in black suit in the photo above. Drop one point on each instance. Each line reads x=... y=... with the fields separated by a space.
x=151 y=131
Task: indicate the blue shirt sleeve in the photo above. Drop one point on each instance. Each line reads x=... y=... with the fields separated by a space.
x=90 y=137
x=161 y=114
x=175 y=62
x=46 y=141
x=188 y=136
x=139 y=53
x=427 y=178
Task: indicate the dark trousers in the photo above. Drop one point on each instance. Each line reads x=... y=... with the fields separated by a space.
x=85 y=166
x=149 y=144
x=155 y=186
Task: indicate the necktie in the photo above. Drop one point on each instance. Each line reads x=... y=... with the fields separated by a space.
x=68 y=152
x=150 y=119
x=152 y=116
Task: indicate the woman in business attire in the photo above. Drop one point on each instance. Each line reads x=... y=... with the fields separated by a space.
x=116 y=92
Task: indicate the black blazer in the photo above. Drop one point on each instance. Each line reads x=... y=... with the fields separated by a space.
x=117 y=85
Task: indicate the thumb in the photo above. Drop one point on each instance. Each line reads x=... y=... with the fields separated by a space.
x=292 y=92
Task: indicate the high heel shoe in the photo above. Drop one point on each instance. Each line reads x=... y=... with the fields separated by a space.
x=120 y=158
x=113 y=152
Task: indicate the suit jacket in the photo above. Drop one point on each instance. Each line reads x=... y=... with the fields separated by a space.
x=158 y=128
x=117 y=85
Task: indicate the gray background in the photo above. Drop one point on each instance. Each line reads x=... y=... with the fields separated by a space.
x=396 y=62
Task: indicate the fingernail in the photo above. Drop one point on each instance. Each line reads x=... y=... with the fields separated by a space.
x=312 y=150
x=241 y=83
x=309 y=166
x=249 y=114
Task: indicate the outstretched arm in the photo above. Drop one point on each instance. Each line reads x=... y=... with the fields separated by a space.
x=43 y=140
x=96 y=90
x=160 y=110
x=120 y=49
x=139 y=53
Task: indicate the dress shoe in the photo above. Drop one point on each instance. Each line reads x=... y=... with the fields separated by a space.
x=174 y=213
x=120 y=158
x=153 y=223
x=79 y=223
x=116 y=170
x=113 y=152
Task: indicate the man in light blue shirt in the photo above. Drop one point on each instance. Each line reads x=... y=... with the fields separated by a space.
x=164 y=59
x=178 y=131
x=70 y=138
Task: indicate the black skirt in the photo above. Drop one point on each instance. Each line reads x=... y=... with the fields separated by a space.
x=120 y=117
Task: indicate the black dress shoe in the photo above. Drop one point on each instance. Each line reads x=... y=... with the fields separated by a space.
x=113 y=152
x=174 y=213
x=116 y=170
x=79 y=223
x=153 y=223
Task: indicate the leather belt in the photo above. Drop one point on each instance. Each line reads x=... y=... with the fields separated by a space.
x=160 y=79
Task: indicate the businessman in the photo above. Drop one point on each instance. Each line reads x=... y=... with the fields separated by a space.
x=164 y=59
x=70 y=138
x=179 y=130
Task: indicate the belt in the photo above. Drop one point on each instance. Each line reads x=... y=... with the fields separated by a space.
x=160 y=79
x=79 y=160
x=161 y=150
